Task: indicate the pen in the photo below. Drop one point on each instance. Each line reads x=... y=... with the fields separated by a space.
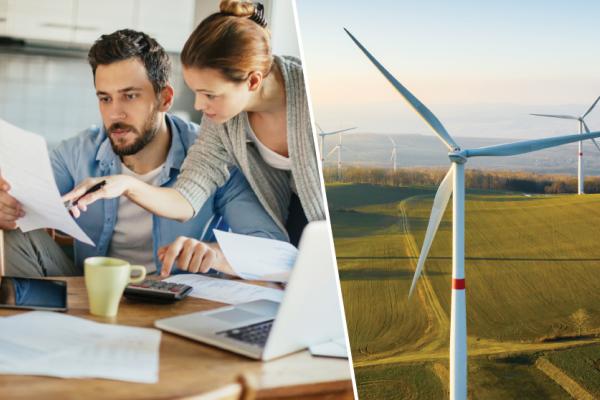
x=93 y=189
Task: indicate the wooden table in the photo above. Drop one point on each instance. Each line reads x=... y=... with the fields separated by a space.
x=188 y=369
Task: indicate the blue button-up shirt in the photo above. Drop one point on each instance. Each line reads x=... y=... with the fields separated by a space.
x=90 y=154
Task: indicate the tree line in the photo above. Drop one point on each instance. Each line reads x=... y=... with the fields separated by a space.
x=528 y=182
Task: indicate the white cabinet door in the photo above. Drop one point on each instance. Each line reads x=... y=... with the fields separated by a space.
x=3 y=17
x=41 y=20
x=170 y=23
x=94 y=18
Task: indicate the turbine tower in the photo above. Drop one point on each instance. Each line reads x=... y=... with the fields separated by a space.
x=454 y=184
x=338 y=148
x=582 y=127
x=322 y=134
x=394 y=154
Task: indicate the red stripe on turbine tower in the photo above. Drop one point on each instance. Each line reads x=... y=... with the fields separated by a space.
x=458 y=284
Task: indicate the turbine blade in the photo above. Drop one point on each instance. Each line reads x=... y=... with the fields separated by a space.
x=591 y=108
x=588 y=131
x=596 y=144
x=320 y=130
x=556 y=116
x=440 y=202
x=332 y=151
x=419 y=107
x=392 y=140
x=339 y=131
x=528 y=146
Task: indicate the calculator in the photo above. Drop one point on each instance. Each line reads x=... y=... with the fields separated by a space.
x=157 y=291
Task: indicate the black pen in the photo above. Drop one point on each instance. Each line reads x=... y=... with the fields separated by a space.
x=93 y=189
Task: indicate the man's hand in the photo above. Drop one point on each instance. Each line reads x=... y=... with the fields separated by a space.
x=189 y=255
x=10 y=209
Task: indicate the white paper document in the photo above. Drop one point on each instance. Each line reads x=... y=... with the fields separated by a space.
x=333 y=348
x=53 y=344
x=258 y=258
x=225 y=290
x=25 y=164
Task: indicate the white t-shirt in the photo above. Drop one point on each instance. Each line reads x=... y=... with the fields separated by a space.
x=132 y=237
x=271 y=157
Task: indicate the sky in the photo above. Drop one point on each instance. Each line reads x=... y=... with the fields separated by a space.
x=480 y=66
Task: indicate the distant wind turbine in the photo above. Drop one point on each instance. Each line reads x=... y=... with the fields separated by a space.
x=582 y=127
x=454 y=184
x=337 y=148
x=394 y=154
x=322 y=134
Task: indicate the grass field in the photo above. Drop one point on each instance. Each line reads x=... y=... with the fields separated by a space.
x=581 y=364
x=531 y=263
x=511 y=378
x=399 y=382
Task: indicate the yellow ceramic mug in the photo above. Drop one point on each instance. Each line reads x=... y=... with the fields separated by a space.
x=105 y=280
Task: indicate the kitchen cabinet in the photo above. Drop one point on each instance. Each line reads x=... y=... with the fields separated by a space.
x=79 y=23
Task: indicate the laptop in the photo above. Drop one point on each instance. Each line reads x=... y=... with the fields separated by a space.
x=309 y=314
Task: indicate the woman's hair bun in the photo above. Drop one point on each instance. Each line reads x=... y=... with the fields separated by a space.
x=245 y=9
x=238 y=8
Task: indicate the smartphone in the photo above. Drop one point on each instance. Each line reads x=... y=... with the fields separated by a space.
x=33 y=294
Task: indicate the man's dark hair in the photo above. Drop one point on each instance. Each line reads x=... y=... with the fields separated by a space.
x=127 y=43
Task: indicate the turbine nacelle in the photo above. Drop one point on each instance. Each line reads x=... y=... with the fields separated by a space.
x=458 y=156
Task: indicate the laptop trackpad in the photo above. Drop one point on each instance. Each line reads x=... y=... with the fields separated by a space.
x=235 y=315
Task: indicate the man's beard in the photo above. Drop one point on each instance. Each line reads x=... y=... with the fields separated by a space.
x=150 y=129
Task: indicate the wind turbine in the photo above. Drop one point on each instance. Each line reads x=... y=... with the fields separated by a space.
x=454 y=184
x=338 y=148
x=394 y=155
x=323 y=134
x=582 y=126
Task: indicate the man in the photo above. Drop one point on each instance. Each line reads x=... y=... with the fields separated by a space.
x=138 y=138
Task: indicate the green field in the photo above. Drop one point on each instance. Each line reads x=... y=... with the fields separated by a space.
x=399 y=382
x=531 y=263
x=581 y=364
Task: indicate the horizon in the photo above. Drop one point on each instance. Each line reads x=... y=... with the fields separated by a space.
x=480 y=68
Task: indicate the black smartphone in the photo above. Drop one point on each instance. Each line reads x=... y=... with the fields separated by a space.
x=33 y=294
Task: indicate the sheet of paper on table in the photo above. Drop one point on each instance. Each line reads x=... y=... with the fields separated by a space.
x=257 y=258
x=225 y=290
x=334 y=348
x=25 y=164
x=53 y=344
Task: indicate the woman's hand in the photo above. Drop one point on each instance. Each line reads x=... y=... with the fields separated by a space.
x=115 y=186
x=192 y=255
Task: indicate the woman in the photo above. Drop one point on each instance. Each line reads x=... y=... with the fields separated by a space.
x=255 y=117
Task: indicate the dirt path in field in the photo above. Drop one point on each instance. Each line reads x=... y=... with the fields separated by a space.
x=436 y=333
x=481 y=347
x=563 y=380
x=438 y=319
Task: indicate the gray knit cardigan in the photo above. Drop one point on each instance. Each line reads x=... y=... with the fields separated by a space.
x=220 y=146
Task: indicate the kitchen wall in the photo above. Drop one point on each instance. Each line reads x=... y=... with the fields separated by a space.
x=46 y=86
x=54 y=95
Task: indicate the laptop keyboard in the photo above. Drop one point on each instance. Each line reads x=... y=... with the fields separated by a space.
x=255 y=334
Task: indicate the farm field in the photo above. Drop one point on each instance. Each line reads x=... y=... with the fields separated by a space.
x=532 y=262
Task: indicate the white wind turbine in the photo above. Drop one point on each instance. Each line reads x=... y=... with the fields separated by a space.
x=582 y=127
x=337 y=148
x=394 y=154
x=454 y=184
x=323 y=134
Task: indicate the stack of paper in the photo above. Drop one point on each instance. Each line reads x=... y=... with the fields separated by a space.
x=53 y=344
